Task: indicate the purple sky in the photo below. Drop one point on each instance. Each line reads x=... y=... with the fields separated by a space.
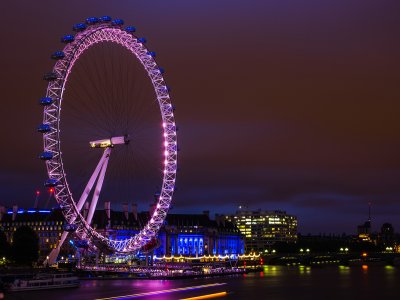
x=289 y=105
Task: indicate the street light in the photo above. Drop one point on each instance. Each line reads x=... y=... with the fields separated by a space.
x=308 y=250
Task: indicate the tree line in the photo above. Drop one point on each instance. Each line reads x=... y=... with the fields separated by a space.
x=24 y=249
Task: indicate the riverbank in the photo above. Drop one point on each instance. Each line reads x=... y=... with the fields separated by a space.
x=160 y=275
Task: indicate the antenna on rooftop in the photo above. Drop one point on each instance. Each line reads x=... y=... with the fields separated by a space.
x=51 y=192
x=36 y=199
x=369 y=211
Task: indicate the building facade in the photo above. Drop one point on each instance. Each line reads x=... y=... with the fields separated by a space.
x=264 y=228
x=182 y=234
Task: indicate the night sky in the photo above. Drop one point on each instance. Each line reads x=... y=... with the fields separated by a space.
x=290 y=105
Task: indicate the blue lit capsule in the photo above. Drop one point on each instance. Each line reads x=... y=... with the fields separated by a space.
x=105 y=19
x=43 y=128
x=79 y=27
x=46 y=101
x=46 y=155
x=51 y=183
x=58 y=55
x=51 y=76
x=81 y=244
x=92 y=21
x=70 y=227
x=117 y=22
x=162 y=70
x=130 y=29
x=69 y=38
x=142 y=40
x=151 y=53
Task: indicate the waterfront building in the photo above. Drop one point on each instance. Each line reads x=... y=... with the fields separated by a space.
x=387 y=236
x=48 y=224
x=181 y=234
x=364 y=230
x=264 y=228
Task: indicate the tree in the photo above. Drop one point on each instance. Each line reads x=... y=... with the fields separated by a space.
x=25 y=246
x=4 y=245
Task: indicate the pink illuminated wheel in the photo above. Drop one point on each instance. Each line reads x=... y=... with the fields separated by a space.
x=92 y=35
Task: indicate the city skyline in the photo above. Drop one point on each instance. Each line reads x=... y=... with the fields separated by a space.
x=280 y=105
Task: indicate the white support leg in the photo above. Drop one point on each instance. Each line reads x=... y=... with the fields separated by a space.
x=97 y=190
x=52 y=258
x=92 y=179
x=104 y=158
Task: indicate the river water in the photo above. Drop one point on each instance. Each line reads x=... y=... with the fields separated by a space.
x=275 y=282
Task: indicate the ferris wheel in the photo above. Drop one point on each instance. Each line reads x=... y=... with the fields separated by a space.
x=95 y=33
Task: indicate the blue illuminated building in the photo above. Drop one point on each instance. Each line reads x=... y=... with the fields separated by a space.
x=197 y=234
x=182 y=234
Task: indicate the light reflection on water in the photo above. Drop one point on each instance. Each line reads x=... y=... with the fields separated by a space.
x=273 y=282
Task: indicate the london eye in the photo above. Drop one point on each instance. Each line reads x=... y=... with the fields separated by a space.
x=108 y=130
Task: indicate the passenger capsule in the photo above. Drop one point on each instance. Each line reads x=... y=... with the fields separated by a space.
x=46 y=155
x=81 y=244
x=51 y=183
x=79 y=27
x=58 y=55
x=70 y=227
x=105 y=19
x=142 y=40
x=130 y=29
x=151 y=53
x=117 y=22
x=45 y=101
x=162 y=70
x=92 y=21
x=43 y=128
x=69 y=38
x=51 y=76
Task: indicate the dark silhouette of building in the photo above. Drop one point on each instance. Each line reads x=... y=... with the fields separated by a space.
x=387 y=236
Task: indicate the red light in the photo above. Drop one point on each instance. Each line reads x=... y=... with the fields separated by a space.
x=37 y=193
x=51 y=190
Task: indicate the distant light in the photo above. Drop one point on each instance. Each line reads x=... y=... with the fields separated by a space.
x=51 y=190
x=45 y=211
x=31 y=211
x=37 y=193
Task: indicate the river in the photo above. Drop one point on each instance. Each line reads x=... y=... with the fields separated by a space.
x=275 y=282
